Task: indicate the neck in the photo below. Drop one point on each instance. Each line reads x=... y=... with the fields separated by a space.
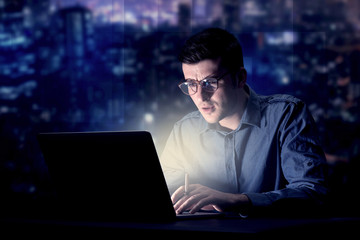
x=232 y=121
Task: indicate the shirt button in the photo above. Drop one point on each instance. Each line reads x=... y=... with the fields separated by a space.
x=228 y=168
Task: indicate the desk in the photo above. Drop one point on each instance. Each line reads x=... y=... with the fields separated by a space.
x=252 y=228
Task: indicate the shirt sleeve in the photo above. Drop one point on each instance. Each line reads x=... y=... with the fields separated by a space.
x=303 y=162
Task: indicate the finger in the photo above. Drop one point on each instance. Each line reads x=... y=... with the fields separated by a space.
x=208 y=207
x=181 y=201
x=188 y=203
x=200 y=204
x=179 y=193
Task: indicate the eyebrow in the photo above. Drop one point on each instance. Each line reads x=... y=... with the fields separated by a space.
x=208 y=76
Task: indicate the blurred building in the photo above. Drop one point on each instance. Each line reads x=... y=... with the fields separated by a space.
x=184 y=17
x=111 y=65
x=75 y=36
x=231 y=15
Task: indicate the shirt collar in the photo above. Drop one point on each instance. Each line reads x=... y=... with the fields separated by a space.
x=251 y=116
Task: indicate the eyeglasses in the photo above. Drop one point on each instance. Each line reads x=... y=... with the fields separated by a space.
x=209 y=84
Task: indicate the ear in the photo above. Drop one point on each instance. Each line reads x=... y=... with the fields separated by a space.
x=241 y=77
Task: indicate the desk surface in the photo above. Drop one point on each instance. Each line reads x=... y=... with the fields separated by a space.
x=228 y=226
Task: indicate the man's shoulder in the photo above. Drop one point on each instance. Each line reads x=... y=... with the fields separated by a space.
x=281 y=107
x=279 y=100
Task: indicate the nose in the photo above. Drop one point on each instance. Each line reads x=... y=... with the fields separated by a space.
x=203 y=95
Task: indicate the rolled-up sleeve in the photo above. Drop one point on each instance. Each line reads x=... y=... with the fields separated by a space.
x=302 y=160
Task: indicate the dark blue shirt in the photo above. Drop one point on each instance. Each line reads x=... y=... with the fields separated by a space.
x=274 y=153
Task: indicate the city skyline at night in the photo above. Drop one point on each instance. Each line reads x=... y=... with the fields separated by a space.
x=105 y=65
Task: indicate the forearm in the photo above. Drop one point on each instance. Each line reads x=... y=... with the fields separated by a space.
x=237 y=203
x=292 y=201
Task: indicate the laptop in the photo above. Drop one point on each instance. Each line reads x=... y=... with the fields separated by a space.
x=107 y=176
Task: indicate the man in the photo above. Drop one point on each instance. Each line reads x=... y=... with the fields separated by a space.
x=241 y=151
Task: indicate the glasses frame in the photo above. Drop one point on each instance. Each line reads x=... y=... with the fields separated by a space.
x=199 y=83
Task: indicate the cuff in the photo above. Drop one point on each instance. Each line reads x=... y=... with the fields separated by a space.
x=259 y=199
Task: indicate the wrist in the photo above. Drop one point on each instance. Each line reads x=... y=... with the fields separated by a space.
x=244 y=207
x=239 y=203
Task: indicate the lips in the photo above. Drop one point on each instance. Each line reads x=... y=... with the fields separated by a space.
x=208 y=109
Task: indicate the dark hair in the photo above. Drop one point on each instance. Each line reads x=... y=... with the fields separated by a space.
x=213 y=43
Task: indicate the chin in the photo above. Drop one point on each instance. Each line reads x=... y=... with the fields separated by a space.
x=213 y=117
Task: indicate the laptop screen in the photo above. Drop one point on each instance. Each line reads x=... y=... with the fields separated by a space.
x=110 y=175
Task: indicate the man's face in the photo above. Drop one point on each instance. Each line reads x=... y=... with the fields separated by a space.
x=214 y=106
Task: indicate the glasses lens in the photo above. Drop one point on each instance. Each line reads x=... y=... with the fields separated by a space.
x=189 y=87
x=209 y=84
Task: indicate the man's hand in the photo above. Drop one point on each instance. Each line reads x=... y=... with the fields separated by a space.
x=201 y=197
